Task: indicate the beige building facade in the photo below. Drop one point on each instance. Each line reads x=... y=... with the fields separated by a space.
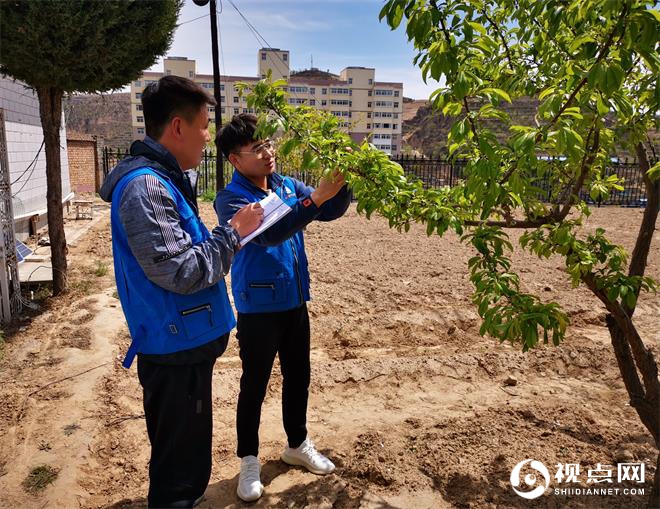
x=365 y=107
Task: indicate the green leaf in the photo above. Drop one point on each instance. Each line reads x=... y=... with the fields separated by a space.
x=478 y=27
x=452 y=109
x=654 y=172
x=499 y=92
x=395 y=16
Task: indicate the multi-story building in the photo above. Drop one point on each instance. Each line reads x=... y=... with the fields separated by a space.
x=364 y=106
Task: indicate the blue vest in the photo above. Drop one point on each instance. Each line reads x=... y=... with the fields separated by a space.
x=161 y=321
x=274 y=278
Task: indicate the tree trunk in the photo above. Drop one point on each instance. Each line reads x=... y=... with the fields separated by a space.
x=50 y=108
x=633 y=358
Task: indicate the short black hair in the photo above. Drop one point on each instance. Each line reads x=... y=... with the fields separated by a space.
x=237 y=133
x=171 y=96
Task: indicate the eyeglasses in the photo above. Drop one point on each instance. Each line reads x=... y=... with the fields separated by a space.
x=260 y=150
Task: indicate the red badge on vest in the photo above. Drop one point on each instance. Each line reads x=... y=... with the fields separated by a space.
x=307 y=202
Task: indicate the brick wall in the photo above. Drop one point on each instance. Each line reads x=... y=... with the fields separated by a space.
x=83 y=163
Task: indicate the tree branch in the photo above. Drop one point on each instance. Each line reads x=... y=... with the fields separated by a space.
x=506 y=47
x=640 y=252
x=601 y=54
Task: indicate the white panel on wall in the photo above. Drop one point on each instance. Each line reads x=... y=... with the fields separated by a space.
x=26 y=155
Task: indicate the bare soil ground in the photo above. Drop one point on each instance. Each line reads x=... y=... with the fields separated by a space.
x=406 y=398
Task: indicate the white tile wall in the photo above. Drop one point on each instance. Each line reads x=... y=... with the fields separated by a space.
x=24 y=138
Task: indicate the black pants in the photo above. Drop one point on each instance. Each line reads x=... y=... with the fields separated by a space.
x=260 y=337
x=177 y=407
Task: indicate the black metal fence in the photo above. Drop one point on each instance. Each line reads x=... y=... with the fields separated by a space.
x=432 y=172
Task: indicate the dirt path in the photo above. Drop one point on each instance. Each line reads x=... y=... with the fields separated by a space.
x=407 y=398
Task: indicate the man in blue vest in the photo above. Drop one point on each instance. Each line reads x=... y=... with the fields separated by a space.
x=170 y=280
x=270 y=284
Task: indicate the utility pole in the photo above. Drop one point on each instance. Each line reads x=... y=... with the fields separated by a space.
x=219 y=173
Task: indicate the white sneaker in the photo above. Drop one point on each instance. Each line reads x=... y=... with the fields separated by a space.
x=307 y=456
x=249 y=484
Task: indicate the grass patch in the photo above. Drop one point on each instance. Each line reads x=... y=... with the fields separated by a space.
x=40 y=477
x=82 y=286
x=208 y=195
x=101 y=269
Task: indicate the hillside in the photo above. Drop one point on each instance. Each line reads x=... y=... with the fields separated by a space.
x=426 y=131
x=105 y=115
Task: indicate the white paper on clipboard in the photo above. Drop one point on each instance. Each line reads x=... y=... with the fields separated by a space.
x=274 y=210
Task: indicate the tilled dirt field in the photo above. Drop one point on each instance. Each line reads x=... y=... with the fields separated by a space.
x=407 y=399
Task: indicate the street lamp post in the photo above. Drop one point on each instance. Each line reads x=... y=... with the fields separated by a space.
x=219 y=173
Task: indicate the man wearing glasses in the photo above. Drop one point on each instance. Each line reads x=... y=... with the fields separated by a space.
x=270 y=284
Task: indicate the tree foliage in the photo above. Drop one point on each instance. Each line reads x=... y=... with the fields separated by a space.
x=83 y=45
x=78 y=46
x=593 y=65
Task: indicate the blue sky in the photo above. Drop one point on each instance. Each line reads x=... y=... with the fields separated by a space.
x=336 y=33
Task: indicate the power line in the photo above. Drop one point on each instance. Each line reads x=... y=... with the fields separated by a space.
x=263 y=40
x=31 y=167
x=191 y=20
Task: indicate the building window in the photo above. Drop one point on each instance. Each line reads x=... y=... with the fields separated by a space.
x=350 y=81
x=368 y=126
x=371 y=81
x=137 y=83
x=263 y=56
x=299 y=90
x=140 y=130
x=236 y=99
x=138 y=107
x=235 y=111
x=394 y=126
x=138 y=95
x=207 y=85
x=323 y=102
x=396 y=115
x=245 y=110
x=211 y=109
x=191 y=74
x=369 y=93
x=368 y=105
x=285 y=57
x=368 y=114
x=263 y=76
x=312 y=102
x=324 y=91
x=396 y=93
x=396 y=105
x=394 y=147
x=168 y=72
x=312 y=90
x=140 y=120
x=222 y=98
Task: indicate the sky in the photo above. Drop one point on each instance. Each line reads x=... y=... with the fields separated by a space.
x=335 y=33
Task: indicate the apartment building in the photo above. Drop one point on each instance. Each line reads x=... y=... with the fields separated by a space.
x=365 y=107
